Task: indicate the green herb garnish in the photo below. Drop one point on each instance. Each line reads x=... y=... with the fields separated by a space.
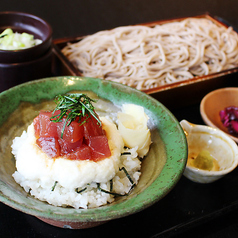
x=111 y=185
x=53 y=188
x=127 y=175
x=78 y=190
x=29 y=191
x=111 y=193
x=126 y=153
x=72 y=106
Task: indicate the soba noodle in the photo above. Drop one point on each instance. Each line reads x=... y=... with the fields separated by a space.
x=146 y=57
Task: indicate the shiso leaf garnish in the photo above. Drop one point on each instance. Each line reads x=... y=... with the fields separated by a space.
x=72 y=106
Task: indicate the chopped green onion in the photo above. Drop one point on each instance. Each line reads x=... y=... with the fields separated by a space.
x=15 y=41
x=1 y=36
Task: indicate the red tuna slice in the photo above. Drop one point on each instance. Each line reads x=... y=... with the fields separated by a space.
x=81 y=153
x=92 y=127
x=36 y=127
x=49 y=145
x=67 y=147
x=99 y=146
x=44 y=127
x=72 y=133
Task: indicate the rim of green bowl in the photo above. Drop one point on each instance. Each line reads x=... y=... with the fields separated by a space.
x=175 y=144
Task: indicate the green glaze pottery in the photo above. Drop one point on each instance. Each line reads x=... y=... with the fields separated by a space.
x=161 y=168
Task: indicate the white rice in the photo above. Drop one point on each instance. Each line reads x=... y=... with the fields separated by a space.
x=47 y=189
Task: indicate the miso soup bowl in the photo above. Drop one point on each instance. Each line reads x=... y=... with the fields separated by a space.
x=217 y=143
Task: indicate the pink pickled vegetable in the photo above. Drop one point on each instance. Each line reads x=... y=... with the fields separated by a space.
x=229 y=118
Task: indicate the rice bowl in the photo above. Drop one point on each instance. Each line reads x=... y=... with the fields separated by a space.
x=169 y=145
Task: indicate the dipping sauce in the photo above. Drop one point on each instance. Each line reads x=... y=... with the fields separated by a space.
x=204 y=160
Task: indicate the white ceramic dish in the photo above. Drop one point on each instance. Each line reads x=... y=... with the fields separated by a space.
x=219 y=145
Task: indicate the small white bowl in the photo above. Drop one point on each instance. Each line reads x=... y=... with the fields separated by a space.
x=217 y=143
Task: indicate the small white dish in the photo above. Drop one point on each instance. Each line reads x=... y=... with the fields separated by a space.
x=222 y=148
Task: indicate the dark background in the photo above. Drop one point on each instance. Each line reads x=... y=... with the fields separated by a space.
x=190 y=209
x=81 y=17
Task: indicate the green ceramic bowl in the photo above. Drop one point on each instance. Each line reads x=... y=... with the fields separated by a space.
x=161 y=169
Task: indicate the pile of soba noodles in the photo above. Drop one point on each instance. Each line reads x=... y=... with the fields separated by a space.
x=146 y=57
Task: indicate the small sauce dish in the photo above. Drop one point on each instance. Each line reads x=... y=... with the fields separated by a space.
x=211 y=153
x=214 y=102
